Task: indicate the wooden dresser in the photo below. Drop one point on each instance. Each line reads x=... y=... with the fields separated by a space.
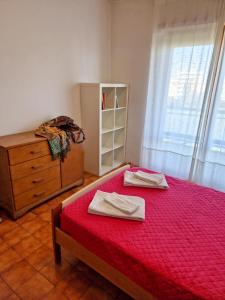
x=29 y=176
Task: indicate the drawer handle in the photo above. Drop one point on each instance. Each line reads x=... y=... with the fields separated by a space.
x=36 y=167
x=39 y=194
x=35 y=152
x=38 y=180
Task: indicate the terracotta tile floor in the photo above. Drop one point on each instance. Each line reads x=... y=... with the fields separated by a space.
x=27 y=268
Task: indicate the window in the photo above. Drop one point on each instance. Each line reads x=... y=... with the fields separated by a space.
x=187 y=82
x=217 y=133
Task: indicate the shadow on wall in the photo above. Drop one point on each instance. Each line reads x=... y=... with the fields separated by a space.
x=74 y=107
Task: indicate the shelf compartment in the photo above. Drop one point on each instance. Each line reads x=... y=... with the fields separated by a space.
x=107 y=120
x=107 y=142
x=120 y=118
x=116 y=146
x=118 y=108
x=105 y=130
x=106 y=162
x=121 y=97
x=108 y=98
x=119 y=138
x=118 y=157
x=118 y=127
x=105 y=150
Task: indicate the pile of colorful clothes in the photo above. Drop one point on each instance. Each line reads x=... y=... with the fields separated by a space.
x=60 y=132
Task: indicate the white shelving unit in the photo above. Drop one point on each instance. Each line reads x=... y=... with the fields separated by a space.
x=104 y=120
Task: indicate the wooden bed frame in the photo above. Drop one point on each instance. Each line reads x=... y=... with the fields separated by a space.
x=61 y=238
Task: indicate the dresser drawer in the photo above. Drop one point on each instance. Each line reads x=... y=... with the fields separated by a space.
x=32 y=166
x=28 y=152
x=28 y=182
x=37 y=194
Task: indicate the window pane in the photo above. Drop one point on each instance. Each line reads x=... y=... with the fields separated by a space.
x=188 y=74
x=217 y=135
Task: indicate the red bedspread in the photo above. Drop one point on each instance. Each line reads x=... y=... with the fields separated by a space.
x=178 y=252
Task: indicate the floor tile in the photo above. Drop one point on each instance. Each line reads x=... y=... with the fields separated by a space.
x=3 y=246
x=15 y=236
x=95 y=293
x=13 y=297
x=48 y=243
x=46 y=216
x=26 y=218
x=77 y=285
x=7 y=226
x=88 y=175
x=70 y=258
x=35 y=288
x=104 y=284
x=40 y=257
x=82 y=267
x=76 y=189
x=57 y=293
x=97 y=279
x=5 y=291
x=27 y=246
x=87 y=181
x=44 y=233
x=34 y=225
x=55 y=202
x=18 y=274
x=28 y=267
x=41 y=209
x=8 y=259
x=54 y=273
x=67 y=194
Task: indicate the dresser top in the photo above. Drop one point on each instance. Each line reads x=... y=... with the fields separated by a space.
x=19 y=139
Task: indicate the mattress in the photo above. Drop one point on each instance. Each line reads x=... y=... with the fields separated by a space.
x=178 y=252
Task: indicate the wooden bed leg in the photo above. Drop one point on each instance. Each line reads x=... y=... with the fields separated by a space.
x=57 y=253
x=56 y=223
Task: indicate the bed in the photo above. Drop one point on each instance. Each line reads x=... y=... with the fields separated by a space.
x=178 y=252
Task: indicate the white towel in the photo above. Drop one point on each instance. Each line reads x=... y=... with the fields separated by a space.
x=131 y=180
x=122 y=202
x=99 y=206
x=149 y=178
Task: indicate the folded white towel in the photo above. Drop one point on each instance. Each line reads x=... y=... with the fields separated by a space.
x=149 y=178
x=131 y=180
x=122 y=202
x=99 y=206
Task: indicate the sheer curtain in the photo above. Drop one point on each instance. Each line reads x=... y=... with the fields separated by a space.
x=178 y=139
x=209 y=163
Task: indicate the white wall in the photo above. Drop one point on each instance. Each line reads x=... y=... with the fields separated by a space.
x=131 y=38
x=46 y=48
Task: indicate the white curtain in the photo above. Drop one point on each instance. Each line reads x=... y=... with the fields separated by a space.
x=209 y=162
x=184 y=132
